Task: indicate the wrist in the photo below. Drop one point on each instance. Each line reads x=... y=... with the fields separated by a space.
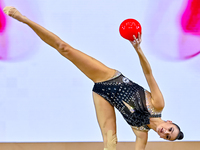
x=138 y=48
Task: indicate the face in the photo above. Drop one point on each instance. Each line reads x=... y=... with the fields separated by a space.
x=167 y=130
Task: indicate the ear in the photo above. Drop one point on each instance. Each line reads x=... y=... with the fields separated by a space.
x=169 y=121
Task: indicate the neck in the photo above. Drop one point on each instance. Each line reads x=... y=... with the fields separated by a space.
x=154 y=122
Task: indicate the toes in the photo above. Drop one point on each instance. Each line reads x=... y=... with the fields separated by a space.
x=7 y=10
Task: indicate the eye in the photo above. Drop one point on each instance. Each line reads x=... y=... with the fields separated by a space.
x=170 y=129
x=167 y=136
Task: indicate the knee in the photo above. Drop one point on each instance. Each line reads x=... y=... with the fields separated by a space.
x=63 y=48
x=111 y=140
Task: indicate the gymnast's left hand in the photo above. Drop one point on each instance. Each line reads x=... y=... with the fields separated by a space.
x=136 y=42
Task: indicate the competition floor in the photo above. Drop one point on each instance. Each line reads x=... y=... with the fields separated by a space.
x=99 y=146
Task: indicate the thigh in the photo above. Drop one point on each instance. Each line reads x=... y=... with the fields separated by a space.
x=105 y=115
x=92 y=68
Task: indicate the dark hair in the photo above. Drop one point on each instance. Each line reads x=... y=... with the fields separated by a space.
x=180 y=135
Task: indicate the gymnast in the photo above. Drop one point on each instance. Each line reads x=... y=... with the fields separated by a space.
x=140 y=108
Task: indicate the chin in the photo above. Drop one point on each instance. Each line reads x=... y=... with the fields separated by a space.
x=157 y=130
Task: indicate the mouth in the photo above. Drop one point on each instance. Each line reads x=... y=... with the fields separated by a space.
x=161 y=130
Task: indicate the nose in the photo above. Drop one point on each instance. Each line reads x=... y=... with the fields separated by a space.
x=166 y=132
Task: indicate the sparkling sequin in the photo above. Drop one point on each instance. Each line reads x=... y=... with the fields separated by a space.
x=132 y=109
x=142 y=128
x=125 y=80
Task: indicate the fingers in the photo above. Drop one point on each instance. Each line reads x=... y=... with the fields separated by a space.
x=134 y=37
x=139 y=36
x=136 y=41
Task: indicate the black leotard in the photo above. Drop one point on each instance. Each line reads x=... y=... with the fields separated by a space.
x=120 y=92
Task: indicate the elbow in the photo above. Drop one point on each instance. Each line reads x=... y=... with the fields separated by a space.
x=160 y=107
x=159 y=104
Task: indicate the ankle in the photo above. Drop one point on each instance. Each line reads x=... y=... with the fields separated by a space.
x=24 y=19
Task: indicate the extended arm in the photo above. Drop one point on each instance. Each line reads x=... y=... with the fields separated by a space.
x=141 y=139
x=157 y=98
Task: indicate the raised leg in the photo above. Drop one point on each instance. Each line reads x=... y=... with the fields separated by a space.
x=91 y=67
x=107 y=121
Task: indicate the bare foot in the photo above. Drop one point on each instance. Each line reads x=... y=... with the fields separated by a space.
x=14 y=13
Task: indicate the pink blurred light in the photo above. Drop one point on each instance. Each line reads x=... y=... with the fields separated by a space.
x=3 y=35
x=12 y=47
x=189 y=46
x=190 y=20
x=2 y=20
x=182 y=25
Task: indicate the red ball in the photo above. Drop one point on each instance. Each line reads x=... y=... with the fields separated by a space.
x=130 y=27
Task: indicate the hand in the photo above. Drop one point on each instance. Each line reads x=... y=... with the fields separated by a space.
x=136 y=42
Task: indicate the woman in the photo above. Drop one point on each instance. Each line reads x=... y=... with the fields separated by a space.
x=140 y=108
